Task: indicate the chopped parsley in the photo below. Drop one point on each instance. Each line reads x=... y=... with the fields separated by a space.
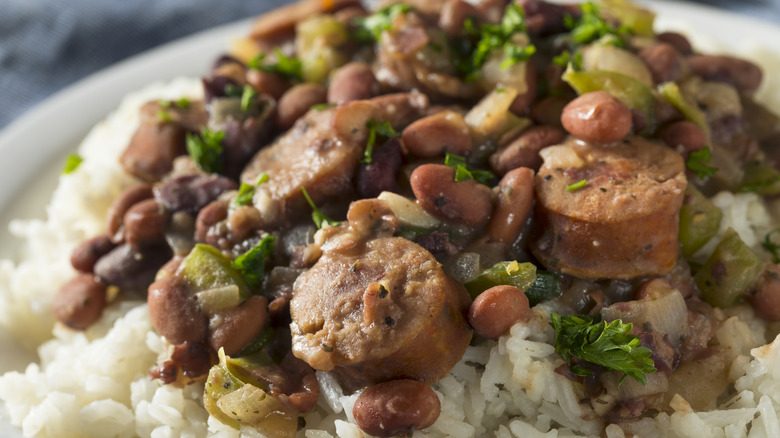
x=464 y=172
x=251 y=264
x=182 y=103
x=247 y=95
x=576 y=186
x=322 y=106
x=771 y=247
x=610 y=345
x=566 y=59
x=698 y=163
x=499 y=36
x=247 y=191
x=591 y=27
x=369 y=29
x=376 y=129
x=289 y=67
x=319 y=218
x=72 y=162
x=164 y=116
x=206 y=149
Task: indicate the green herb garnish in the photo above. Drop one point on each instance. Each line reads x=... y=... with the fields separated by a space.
x=369 y=29
x=247 y=96
x=464 y=172
x=288 y=67
x=568 y=60
x=698 y=163
x=496 y=36
x=771 y=247
x=206 y=149
x=610 y=345
x=319 y=218
x=576 y=186
x=251 y=264
x=247 y=191
x=183 y=103
x=591 y=27
x=72 y=162
x=164 y=116
x=322 y=106
x=376 y=129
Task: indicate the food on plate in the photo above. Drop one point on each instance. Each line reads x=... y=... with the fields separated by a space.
x=422 y=219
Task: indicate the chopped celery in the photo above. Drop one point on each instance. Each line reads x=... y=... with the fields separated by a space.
x=699 y=221
x=316 y=42
x=520 y=275
x=626 y=89
x=730 y=273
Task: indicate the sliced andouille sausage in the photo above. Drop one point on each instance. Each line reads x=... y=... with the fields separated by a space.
x=609 y=211
x=378 y=310
x=321 y=153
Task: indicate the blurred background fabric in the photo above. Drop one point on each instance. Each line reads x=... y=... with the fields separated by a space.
x=45 y=45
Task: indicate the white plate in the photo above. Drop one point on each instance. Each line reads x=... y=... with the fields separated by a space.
x=31 y=156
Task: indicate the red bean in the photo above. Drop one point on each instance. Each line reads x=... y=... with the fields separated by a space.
x=240 y=325
x=684 y=134
x=465 y=202
x=664 y=62
x=128 y=198
x=497 y=309
x=597 y=117
x=174 y=312
x=766 y=300
x=269 y=83
x=84 y=256
x=353 y=81
x=677 y=40
x=396 y=407
x=744 y=75
x=145 y=223
x=80 y=302
x=297 y=101
x=513 y=205
x=434 y=135
x=524 y=150
x=209 y=216
x=243 y=221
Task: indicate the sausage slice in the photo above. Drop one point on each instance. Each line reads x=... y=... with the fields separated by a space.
x=609 y=211
x=379 y=310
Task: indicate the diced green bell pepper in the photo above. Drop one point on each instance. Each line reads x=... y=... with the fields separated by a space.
x=671 y=92
x=730 y=272
x=699 y=221
x=206 y=268
x=639 y=20
x=520 y=275
x=761 y=178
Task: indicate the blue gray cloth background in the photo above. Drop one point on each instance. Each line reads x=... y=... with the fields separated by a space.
x=46 y=45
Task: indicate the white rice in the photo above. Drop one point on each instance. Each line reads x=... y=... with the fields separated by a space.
x=95 y=383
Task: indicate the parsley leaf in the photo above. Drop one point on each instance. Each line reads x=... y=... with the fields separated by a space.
x=247 y=191
x=566 y=59
x=576 y=186
x=771 y=247
x=591 y=27
x=697 y=162
x=464 y=172
x=319 y=218
x=251 y=264
x=206 y=149
x=323 y=106
x=288 y=67
x=495 y=36
x=376 y=129
x=247 y=95
x=369 y=29
x=72 y=162
x=610 y=345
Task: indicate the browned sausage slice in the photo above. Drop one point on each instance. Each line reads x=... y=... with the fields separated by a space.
x=623 y=222
x=379 y=310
